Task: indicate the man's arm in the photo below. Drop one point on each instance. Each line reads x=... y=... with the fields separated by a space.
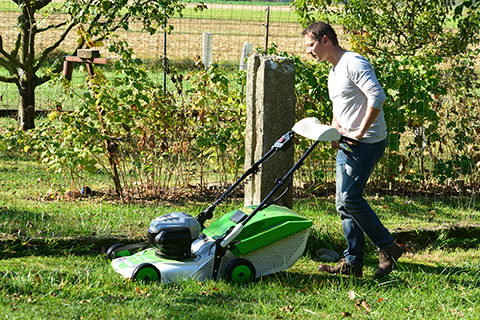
x=367 y=121
x=364 y=78
x=343 y=132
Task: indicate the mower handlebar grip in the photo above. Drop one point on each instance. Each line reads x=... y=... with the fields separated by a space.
x=232 y=235
x=348 y=139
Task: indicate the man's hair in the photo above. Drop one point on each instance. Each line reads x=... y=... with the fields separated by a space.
x=319 y=29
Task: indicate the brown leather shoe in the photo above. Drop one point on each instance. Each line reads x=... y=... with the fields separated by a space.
x=388 y=259
x=341 y=268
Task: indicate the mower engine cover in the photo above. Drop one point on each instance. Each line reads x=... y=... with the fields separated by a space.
x=172 y=235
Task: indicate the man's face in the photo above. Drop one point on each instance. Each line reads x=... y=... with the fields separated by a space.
x=315 y=48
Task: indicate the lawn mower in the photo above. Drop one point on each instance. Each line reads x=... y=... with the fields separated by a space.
x=240 y=246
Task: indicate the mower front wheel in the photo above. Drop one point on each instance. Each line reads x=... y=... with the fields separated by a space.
x=240 y=271
x=113 y=252
x=146 y=272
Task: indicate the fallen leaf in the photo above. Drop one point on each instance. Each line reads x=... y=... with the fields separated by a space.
x=366 y=306
x=359 y=304
x=351 y=295
x=288 y=309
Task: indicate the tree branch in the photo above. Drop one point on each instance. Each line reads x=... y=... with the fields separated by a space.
x=9 y=79
x=9 y=58
x=43 y=79
x=113 y=28
x=45 y=52
x=40 y=4
x=2 y=52
x=52 y=26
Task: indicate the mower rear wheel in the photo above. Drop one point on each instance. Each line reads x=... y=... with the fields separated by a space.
x=146 y=272
x=112 y=254
x=240 y=271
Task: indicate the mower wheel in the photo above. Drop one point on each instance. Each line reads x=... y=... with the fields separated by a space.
x=112 y=252
x=239 y=271
x=146 y=272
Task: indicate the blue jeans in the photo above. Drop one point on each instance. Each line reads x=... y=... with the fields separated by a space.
x=358 y=219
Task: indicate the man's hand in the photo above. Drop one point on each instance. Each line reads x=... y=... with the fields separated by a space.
x=357 y=134
x=335 y=144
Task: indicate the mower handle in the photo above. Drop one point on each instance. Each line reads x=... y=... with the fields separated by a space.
x=348 y=139
x=282 y=144
x=344 y=143
x=232 y=235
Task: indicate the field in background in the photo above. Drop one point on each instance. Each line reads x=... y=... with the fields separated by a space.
x=231 y=26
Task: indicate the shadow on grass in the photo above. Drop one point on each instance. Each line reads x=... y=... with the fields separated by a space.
x=14 y=246
x=404 y=275
x=81 y=246
x=18 y=226
x=17 y=249
x=444 y=237
x=14 y=221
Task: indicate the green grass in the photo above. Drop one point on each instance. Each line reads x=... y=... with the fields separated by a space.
x=46 y=95
x=71 y=280
x=240 y=13
x=235 y=11
x=71 y=286
x=253 y=3
x=27 y=190
x=51 y=93
x=23 y=182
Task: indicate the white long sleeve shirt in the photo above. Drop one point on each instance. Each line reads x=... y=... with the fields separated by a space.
x=352 y=87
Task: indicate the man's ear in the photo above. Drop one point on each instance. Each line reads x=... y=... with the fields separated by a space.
x=325 y=39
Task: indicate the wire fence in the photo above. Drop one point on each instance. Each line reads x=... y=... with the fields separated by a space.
x=234 y=32
x=224 y=34
x=230 y=27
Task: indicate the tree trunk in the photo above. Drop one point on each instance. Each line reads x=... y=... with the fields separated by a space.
x=26 y=74
x=26 y=105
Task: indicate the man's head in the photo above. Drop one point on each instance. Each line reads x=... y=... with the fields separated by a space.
x=320 y=39
x=318 y=30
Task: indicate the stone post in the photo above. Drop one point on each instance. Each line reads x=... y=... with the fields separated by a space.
x=270 y=114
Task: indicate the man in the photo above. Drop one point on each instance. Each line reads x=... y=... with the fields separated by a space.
x=357 y=99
